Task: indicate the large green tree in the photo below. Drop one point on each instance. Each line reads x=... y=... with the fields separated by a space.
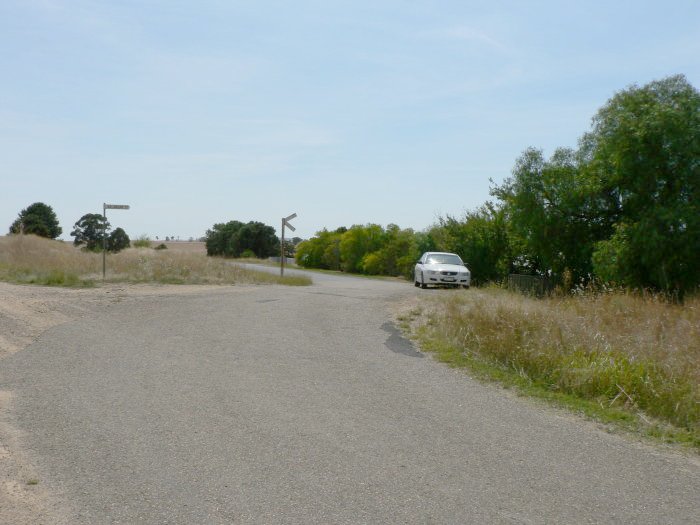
x=37 y=219
x=645 y=162
x=553 y=213
x=233 y=238
x=90 y=231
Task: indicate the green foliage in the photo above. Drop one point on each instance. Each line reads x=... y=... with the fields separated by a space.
x=161 y=246
x=118 y=240
x=142 y=242
x=368 y=249
x=623 y=207
x=481 y=239
x=90 y=231
x=322 y=251
x=37 y=219
x=645 y=147
x=357 y=242
x=233 y=238
x=553 y=214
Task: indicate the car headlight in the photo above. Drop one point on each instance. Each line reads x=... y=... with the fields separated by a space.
x=432 y=272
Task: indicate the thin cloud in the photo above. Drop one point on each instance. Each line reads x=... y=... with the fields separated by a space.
x=469 y=34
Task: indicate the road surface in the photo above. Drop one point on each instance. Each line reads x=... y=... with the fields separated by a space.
x=270 y=404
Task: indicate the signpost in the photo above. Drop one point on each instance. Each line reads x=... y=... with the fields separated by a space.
x=285 y=222
x=106 y=207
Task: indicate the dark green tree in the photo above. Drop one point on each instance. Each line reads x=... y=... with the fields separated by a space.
x=645 y=161
x=118 y=240
x=259 y=238
x=90 y=231
x=553 y=213
x=37 y=219
x=233 y=238
x=217 y=238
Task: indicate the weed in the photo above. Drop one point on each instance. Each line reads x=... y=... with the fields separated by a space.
x=620 y=357
x=142 y=242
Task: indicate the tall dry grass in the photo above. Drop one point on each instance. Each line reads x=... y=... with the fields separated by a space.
x=618 y=349
x=31 y=259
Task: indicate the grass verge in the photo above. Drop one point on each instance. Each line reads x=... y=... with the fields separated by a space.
x=629 y=361
x=34 y=260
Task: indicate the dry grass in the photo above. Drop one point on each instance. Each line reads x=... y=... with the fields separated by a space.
x=618 y=350
x=182 y=246
x=30 y=259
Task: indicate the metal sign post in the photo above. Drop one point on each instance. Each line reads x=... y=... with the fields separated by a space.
x=106 y=207
x=285 y=222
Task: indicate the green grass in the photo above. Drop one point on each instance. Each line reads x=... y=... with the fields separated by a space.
x=624 y=360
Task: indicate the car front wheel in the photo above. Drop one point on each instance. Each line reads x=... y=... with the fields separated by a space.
x=422 y=282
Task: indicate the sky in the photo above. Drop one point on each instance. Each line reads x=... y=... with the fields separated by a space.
x=344 y=112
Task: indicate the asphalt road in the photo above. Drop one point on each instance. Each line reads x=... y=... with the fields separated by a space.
x=275 y=404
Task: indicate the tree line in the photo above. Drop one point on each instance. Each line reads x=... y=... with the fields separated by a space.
x=621 y=208
x=90 y=231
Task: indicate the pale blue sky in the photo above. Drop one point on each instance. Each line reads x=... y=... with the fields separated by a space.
x=343 y=112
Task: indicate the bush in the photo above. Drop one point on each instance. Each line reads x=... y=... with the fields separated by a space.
x=142 y=242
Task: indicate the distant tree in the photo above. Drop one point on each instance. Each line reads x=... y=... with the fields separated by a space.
x=118 y=240
x=218 y=239
x=37 y=219
x=289 y=248
x=233 y=238
x=321 y=251
x=90 y=231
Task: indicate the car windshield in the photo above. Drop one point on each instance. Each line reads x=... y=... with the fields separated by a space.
x=444 y=258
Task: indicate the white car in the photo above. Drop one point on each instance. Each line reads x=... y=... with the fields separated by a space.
x=440 y=268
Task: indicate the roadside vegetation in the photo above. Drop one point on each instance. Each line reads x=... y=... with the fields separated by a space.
x=32 y=259
x=624 y=358
x=621 y=208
